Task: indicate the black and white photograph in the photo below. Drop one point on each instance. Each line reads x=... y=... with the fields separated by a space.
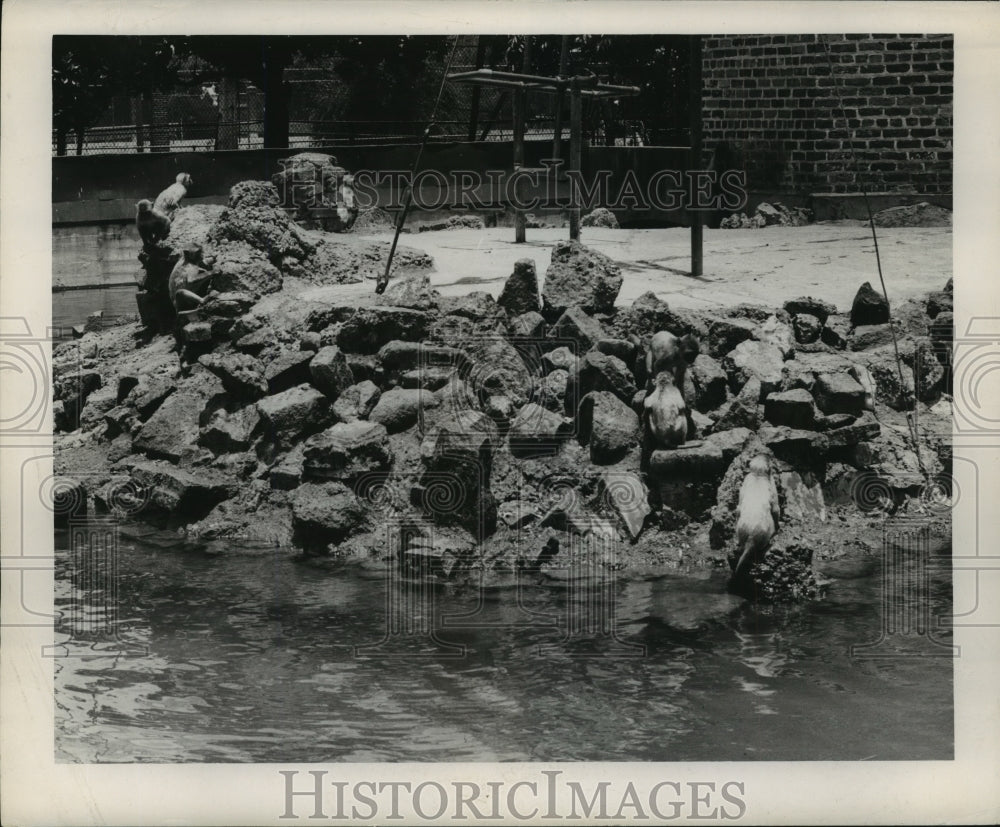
x=532 y=399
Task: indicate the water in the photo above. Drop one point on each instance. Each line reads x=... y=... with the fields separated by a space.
x=249 y=657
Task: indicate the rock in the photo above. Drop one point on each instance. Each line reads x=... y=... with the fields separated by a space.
x=807 y=328
x=288 y=369
x=413 y=291
x=520 y=291
x=803 y=497
x=240 y=267
x=575 y=324
x=710 y=383
x=609 y=425
x=923 y=214
x=869 y=307
x=836 y=332
x=754 y=359
x=650 y=314
x=599 y=372
x=601 y=217
x=777 y=333
x=372 y=327
x=940 y=302
x=870 y=336
x=813 y=307
x=69 y=501
x=619 y=348
x=184 y=496
x=255 y=342
x=911 y=315
x=454 y=488
x=330 y=372
x=72 y=389
x=784 y=575
x=402 y=356
x=518 y=514
x=118 y=420
x=399 y=408
x=624 y=495
x=495 y=368
x=196 y=333
x=942 y=335
x=725 y=334
x=321 y=192
x=324 y=513
x=794 y=408
x=839 y=393
x=864 y=428
x=837 y=420
x=454 y=222
x=171 y=431
x=477 y=306
x=730 y=442
x=693 y=461
x=293 y=413
x=230 y=432
x=537 y=431
x=743 y=410
x=562 y=358
x=805 y=448
x=356 y=401
x=897 y=394
x=456 y=421
x=529 y=325
x=98 y=404
x=551 y=393
x=149 y=394
x=580 y=276
x=920 y=357
x=310 y=341
x=347 y=451
x=286 y=474
x=363 y=367
x=242 y=376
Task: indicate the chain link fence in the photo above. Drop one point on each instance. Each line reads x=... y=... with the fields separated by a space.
x=229 y=114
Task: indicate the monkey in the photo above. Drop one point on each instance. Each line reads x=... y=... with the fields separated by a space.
x=152 y=224
x=168 y=200
x=669 y=352
x=187 y=276
x=664 y=415
x=759 y=513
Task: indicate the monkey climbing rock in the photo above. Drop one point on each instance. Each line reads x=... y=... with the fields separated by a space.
x=758 y=513
x=186 y=279
x=168 y=200
x=153 y=225
x=670 y=353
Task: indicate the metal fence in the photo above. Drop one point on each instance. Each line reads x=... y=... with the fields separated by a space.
x=192 y=120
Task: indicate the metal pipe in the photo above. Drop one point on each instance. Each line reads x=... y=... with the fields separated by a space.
x=575 y=142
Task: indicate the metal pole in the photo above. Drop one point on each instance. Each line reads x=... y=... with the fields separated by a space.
x=520 y=106
x=476 y=89
x=575 y=147
x=694 y=162
x=559 y=99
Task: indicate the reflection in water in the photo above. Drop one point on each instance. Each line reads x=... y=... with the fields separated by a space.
x=250 y=657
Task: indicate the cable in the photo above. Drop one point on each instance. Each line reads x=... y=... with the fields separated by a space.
x=878 y=261
x=383 y=282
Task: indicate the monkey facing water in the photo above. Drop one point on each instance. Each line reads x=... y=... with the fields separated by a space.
x=758 y=515
x=153 y=225
x=186 y=279
x=168 y=201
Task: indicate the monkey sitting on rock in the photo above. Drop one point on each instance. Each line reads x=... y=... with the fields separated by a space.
x=188 y=277
x=758 y=516
x=664 y=415
x=153 y=225
x=168 y=200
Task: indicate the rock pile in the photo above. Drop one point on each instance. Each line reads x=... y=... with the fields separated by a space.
x=768 y=215
x=463 y=432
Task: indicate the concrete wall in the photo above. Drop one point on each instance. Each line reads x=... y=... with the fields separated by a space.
x=774 y=99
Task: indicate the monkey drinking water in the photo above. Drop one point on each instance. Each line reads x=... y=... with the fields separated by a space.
x=187 y=277
x=153 y=225
x=759 y=513
x=168 y=200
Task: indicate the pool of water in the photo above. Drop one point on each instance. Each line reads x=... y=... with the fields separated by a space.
x=211 y=654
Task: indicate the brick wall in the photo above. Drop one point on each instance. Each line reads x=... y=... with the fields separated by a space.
x=780 y=101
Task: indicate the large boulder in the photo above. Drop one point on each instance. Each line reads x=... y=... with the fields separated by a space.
x=838 y=393
x=794 y=408
x=400 y=408
x=356 y=401
x=293 y=413
x=778 y=333
x=254 y=217
x=869 y=307
x=743 y=410
x=579 y=275
x=813 y=307
x=287 y=369
x=710 y=383
x=230 y=432
x=325 y=513
x=183 y=496
x=242 y=376
x=597 y=371
x=172 y=431
x=649 y=314
x=601 y=217
x=329 y=371
x=624 y=495
x=576 y=325
x=320 y=191
x=369 y=328
x=725 y=334
x=758 y=360
x=520 y=291
x=537 y=431
x=347 y=451
x=609 y=425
